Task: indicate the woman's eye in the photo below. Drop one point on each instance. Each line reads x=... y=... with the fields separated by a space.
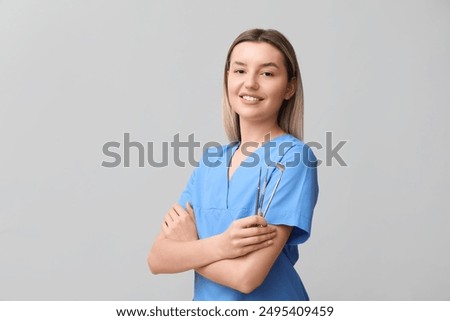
x=267 y=74
x=239 y=71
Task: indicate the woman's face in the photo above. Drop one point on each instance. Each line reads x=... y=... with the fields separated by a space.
x=257 y=81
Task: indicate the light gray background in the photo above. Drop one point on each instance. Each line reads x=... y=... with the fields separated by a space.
x=77 y=74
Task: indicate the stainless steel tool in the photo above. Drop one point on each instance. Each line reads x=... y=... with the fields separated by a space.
x=260 y=195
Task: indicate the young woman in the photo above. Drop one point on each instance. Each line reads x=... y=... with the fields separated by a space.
x=213 y=229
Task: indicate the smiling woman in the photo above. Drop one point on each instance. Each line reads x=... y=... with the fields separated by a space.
x=258 y=82
x=214 y=228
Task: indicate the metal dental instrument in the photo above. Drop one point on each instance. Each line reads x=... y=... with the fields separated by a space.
x=257 y=205
x=260 y=195
x=281 y=168
x=261 y=201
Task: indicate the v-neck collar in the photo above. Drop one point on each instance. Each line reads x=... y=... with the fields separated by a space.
x=233 y=151
x=231 y=179
x=235 y=148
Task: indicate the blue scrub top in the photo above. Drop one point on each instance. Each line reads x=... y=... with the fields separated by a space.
x=217 y=202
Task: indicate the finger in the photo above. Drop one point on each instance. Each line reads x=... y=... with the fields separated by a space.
x=179 y=209
x=250 y=221
x=190 y=210
x=170 y=216
x=174 y=210
x=255 y=231
x=254 y=240
x=164 y=227
x=256 y=247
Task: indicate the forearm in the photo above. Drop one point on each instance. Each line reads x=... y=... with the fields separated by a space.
x=171 y=256
x=246 y=273
x=177 y=250
x=239 y=273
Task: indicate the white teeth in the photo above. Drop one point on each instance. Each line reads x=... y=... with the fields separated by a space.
x=250 y=98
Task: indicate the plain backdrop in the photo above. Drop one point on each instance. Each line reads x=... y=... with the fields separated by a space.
x=75 y=75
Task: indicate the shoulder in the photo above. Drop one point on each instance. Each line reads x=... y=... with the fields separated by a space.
x=295 y=152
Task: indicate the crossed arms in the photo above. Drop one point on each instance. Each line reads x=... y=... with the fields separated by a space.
x=239 y=258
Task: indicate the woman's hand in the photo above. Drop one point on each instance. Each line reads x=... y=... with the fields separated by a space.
x=179 y=224
x=246 y=235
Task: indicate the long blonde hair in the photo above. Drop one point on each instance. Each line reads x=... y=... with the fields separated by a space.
x=290 y=115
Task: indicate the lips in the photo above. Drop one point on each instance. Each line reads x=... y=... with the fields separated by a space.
x=250 y=98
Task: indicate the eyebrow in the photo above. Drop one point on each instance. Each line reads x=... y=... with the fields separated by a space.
x=267 y=64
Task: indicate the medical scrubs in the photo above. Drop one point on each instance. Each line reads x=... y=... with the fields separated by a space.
x=218 y=201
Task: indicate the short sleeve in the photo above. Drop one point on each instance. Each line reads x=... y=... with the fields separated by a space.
x=187 y=194
x=296 y=196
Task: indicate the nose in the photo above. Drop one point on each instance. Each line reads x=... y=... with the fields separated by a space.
x=251 y=82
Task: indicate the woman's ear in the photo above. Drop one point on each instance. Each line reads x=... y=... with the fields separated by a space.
x=290 y=90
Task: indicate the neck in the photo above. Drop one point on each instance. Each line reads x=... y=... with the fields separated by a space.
x=259 y=133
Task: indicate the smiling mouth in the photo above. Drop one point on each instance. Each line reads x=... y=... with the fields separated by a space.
x=250 y=98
